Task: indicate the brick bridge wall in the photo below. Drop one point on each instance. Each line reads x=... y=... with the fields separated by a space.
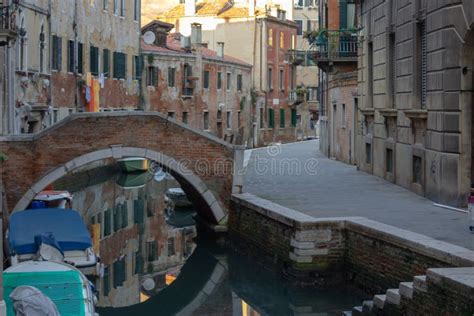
x=202 y=163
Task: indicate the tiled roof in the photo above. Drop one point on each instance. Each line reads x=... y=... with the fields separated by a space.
x=221 y=8
x=173 y=45
x=235 y=12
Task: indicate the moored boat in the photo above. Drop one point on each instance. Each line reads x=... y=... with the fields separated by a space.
x=64 y=285
x=133 y=164
x=52 y=199
x=51 y=234
x=178 y=197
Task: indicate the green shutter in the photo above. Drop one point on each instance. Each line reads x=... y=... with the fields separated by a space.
x=106 y=63
x=79 y=58
x=293 y=118
x=107 y=222
x=271 y=118
x=138 y=211
x=282 y=118
x=71 y=57
x=94 y=60
x=343 y=14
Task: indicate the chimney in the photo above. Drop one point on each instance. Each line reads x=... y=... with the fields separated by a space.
x=196 y=34
x=251 y=7
x=220 y=49
x=190 y=7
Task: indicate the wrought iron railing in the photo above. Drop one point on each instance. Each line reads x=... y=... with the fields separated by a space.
x=7 y=19
x=335 y=45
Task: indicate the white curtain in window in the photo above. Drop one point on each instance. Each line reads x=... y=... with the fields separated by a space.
x=350 y=15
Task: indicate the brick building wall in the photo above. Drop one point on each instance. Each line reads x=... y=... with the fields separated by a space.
x=195 y=95
x=279 y=124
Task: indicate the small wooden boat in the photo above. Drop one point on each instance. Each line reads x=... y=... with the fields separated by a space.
x=52 y=199
x=63 y=284
x=51 y=234
x=133 y=164
x=178 y=197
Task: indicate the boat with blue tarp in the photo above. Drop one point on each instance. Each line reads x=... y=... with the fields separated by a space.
x=51 y=234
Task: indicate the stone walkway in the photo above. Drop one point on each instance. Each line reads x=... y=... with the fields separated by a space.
x=298 y=176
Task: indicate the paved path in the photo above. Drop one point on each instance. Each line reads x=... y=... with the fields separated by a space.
x=332 y=188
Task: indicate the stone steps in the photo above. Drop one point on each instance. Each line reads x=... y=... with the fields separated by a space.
x=392 y=298
x=379 y=300
x=406 y=289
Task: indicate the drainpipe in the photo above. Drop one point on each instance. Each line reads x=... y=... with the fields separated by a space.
x=74 y=28
x=50 y=99
x=141 y=94
x=10 y=91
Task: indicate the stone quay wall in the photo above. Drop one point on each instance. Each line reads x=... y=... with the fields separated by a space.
x=370 y=255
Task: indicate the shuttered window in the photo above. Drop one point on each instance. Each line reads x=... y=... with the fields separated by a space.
x=70 y=56
x=120 y=63
x=106 y=62
x=293 y=117
x=343 y=14
x=137 y=67
x=219 y=80
x=152 y=76
x=171 y=76
x=94 y=60
x=424 y=64
x=57 y=53
x=239 y=82
x=271 y=118
x=206 y=79
x=80 y=58
x=282 y=118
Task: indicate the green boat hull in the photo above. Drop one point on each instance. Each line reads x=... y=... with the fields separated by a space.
x=133 y=165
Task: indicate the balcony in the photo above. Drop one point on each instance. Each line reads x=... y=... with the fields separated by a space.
x=333 y=47
x=8 y=29
x=296 y=97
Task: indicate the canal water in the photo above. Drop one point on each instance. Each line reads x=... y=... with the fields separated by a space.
x=154 y=263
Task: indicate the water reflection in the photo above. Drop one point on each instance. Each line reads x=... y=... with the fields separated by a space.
x=142 y=243
x=152 y=263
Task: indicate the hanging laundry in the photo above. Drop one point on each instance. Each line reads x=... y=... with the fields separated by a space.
x=96 y=90
x=88 y=79
x=88 y=94
x=102 y=80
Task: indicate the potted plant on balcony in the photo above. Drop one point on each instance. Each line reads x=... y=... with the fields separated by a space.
x=300 y=94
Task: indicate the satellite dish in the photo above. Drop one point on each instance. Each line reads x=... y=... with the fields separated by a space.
x=149 y=37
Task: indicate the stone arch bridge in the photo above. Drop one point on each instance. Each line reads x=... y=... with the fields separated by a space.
x=205 y=166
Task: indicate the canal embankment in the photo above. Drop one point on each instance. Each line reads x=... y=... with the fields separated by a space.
x=419 y=271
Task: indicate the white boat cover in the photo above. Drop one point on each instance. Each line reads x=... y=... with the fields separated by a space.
x=29 y=301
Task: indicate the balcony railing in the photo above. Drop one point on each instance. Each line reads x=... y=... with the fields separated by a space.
x=7 y=20
x=334 y=46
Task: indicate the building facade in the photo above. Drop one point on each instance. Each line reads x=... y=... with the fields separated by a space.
x=8 y=36
x=68 y=56
x=415 y=86
x=95 y=65
x=335 y=52
x=305 y=15
x=208 y=90
x=261 y=36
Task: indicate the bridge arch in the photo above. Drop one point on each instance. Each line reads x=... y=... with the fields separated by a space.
x=191 y=183
x=37 y=160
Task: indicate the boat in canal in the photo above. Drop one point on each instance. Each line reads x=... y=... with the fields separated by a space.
x=134 y=180
x=133 y=164
x=179 y=198
x=63 y=284
x=52 y=199
x=42 y=233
